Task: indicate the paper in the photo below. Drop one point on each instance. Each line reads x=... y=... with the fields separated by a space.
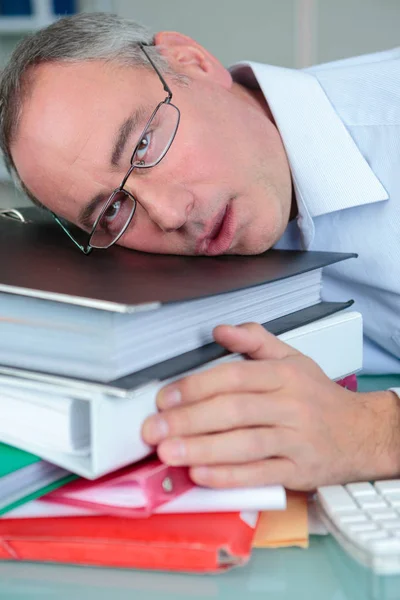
x=196 y=500
x=119 y=496
x=287 y=528
x=40 y=509
x=206 y=500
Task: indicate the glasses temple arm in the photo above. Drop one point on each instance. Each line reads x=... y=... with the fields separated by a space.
x=161 y=78
x=85 y=249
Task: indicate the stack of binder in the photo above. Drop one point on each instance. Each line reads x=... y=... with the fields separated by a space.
x=87 y=342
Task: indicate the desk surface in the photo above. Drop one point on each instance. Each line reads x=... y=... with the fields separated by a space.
x=321 y=572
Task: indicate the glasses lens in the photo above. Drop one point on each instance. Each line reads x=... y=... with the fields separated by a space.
x=114 y=219
x=157 y=137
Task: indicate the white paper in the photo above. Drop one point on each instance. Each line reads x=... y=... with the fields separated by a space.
x=196 y=500
x=126 y=496
x=42 y=509
x=203 y=500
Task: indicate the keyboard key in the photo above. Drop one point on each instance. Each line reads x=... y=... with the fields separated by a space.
x=393 y=499
x=361 y=489
x=391 y=524
x=365 y=526
x=367 y=536
x=368 y=503
x=381 y=514
x=336 y=499
x=353 y=516
x=388 y=487
x=385 y=546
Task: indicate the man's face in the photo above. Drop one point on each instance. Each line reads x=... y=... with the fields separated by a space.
x=223 y=187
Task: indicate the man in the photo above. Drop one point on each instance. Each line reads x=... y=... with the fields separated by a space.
x=230 y=162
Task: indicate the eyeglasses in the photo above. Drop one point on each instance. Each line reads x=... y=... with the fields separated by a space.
x=117 y=212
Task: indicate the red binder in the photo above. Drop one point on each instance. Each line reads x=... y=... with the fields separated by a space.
x=189 y=543
x=134 y=491
x=349 y=382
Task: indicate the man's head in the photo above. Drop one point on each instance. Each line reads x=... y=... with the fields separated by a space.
x=75 y=99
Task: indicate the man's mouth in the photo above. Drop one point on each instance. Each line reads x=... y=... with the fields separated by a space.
x=219 y=239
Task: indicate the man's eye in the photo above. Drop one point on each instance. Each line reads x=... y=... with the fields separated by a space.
x=112 y=211
x=143 y=147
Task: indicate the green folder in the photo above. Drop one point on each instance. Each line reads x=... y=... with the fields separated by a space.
x=24 y=477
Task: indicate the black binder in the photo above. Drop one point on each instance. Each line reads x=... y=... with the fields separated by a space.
x=38 y=260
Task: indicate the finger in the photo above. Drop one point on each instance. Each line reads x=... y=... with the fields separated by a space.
x=232 y=447
x=219 y=413
x=233 y=377
x=272 y=471
x=253 y=340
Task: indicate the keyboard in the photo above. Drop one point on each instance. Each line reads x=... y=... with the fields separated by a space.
x=364 y=518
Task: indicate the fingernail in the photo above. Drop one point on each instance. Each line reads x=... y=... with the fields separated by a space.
x=174 y=451
x=158 y=429
x=170 y=397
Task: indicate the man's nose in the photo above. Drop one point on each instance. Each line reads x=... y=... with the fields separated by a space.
x=168 y=206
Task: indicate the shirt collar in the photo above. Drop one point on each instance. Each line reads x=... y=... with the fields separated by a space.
x=328 y=170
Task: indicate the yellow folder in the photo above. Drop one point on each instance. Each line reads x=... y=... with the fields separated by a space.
x=276 y=529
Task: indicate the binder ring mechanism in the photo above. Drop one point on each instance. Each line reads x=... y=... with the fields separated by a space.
x=12 y=213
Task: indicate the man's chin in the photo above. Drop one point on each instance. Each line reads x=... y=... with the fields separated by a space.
x=250 y=249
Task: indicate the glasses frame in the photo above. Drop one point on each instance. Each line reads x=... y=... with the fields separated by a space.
x=87 y=249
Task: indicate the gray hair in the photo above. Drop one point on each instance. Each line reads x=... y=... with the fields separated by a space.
x=82 y=37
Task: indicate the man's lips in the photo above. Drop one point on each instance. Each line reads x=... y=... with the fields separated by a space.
x=220 y=237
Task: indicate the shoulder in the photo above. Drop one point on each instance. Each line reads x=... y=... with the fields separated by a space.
x=391 y=56
x=364 y=90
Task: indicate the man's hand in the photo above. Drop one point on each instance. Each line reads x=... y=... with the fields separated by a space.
x=274 y=419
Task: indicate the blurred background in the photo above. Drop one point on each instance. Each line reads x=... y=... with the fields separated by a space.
x=291 y=33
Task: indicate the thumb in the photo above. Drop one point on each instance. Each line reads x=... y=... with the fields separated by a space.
x=253 y=340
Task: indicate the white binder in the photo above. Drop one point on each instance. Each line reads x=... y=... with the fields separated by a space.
x=114 y=416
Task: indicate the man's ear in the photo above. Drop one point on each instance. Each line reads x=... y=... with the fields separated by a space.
x=186 y=56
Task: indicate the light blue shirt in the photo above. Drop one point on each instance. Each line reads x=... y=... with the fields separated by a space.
x=340 y=125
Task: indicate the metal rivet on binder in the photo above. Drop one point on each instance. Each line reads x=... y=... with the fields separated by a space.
x=167 y=485
x=13 y=213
